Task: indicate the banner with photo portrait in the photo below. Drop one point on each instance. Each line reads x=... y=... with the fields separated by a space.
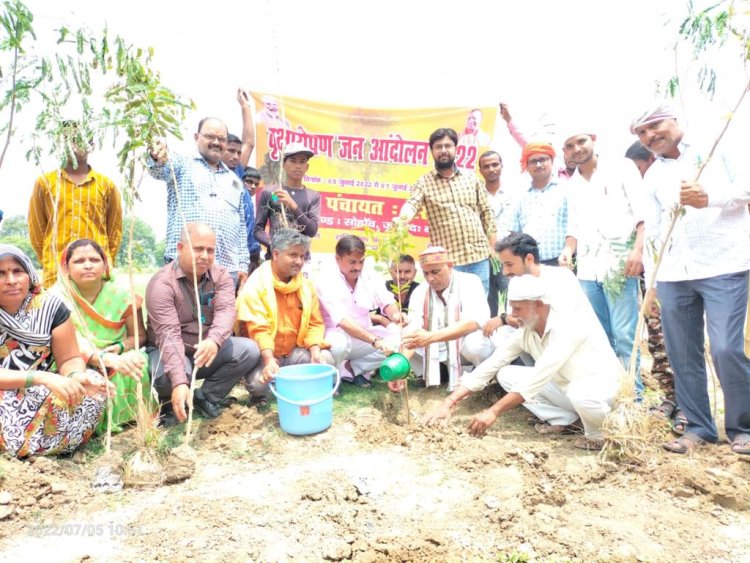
x=366 y=160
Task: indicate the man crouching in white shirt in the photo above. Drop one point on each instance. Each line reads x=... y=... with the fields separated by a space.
x=575 y=373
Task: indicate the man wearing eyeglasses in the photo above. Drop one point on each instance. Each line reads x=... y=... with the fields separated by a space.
x=200 y=187
x=458 y=210
x=542 y=211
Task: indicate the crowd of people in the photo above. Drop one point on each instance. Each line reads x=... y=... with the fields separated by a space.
x=538 y=290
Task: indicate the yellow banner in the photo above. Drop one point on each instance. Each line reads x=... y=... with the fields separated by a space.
x=366 y=160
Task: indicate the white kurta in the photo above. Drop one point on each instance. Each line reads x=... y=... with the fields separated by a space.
x=573 y=359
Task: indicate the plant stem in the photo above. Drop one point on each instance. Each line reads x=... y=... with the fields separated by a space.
x=12 y=107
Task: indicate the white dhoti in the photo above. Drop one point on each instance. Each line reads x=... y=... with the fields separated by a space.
x=588 y=398
x=363 y=357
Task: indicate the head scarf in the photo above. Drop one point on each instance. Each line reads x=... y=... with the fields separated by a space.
x=652 y=115
x=526 y=288
x=536 y=148
x=31 y=325
x=25 y=263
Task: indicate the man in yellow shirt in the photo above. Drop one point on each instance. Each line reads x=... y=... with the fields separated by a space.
x=72 y=203
x=278 y=308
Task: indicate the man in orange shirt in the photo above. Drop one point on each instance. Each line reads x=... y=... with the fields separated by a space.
x=278 y=308
x=86 y=204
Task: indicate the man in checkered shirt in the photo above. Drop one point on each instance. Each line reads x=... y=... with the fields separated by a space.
x=201 y=188
x=459 y=213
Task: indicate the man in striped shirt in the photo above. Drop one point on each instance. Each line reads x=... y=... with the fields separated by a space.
x=71 y=203
x=703 y=273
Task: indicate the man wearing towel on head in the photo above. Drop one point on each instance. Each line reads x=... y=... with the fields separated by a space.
x=575 y=374
x=446 y=316
x=703 y=273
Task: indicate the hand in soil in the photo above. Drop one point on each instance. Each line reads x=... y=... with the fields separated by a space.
x=442 y=413
x=179 y=402
x=481 y=422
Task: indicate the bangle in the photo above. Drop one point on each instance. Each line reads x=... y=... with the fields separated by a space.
x=29 y=379
x=72 y=373
x=120 y=345
x=376 y=340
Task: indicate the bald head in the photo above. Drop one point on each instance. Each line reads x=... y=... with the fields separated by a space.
x=197 y=245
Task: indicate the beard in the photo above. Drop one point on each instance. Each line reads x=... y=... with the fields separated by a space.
x=445 y=164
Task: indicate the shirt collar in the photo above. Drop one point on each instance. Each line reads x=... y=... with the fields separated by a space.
x=179 y=273
x=456 y=169
x=551 y=183
x=682 y=146
x=222 y=168
x=89 y=176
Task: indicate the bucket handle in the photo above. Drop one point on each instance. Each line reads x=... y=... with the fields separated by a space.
x=308 y=402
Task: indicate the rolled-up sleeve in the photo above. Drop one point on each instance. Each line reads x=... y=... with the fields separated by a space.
x=561 y=346
x=415 y=201
x=485 y=372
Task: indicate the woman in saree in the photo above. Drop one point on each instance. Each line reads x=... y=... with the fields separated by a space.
x=41 y=412
x=106 y=327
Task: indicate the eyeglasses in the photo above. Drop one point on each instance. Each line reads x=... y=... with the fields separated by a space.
x=538 y=161
x=214 y=138
x=443 y=147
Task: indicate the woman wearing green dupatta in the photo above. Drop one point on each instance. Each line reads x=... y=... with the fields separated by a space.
x=103 y=317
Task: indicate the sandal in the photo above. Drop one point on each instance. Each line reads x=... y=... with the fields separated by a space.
x=589 y=444
x=679 y=422
x=558 y=429
x=684 y=444
x=741 y=444
x=665 y=410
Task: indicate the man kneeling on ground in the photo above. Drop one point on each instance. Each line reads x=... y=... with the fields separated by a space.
x=279 y=309
x=575 y=373
x=175 y=316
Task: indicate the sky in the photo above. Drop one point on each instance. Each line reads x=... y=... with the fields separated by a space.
x=581 y=61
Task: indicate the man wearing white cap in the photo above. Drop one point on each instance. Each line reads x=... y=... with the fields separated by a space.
x=446 y=315
x=299 y=204
x=575 y=373
x=605 y=227
x=703 y=272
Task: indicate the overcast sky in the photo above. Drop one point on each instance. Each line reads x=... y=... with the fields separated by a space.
x=584 y=61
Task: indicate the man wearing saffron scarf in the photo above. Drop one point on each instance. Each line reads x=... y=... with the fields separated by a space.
x=446 y=316
x=542 y=211
x=279 y=309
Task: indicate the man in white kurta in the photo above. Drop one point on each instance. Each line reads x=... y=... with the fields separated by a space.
x=575 y=374
x=347 y=294
x=446 y=315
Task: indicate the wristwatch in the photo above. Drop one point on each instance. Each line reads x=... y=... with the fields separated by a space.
x=503 y=317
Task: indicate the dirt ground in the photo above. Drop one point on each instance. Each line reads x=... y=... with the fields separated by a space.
x=371 y=489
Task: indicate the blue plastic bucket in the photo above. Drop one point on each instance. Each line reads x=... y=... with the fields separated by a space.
x=305 y=397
